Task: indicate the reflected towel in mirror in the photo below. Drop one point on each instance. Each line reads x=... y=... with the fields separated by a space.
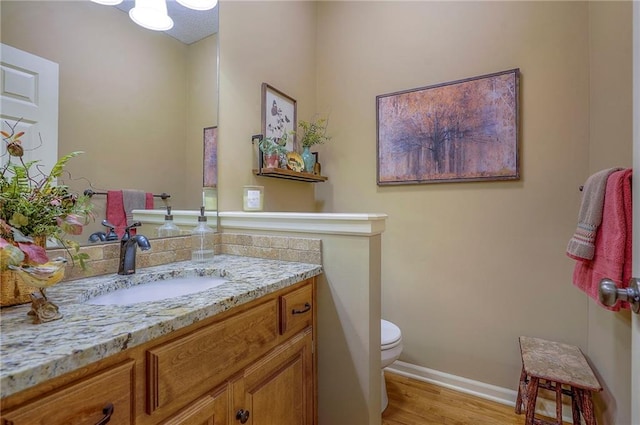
x=121 y=203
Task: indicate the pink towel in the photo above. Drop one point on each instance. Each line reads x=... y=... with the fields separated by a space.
x=613 y=242
x=116 y=213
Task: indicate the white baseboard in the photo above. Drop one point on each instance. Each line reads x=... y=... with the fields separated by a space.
x=501 y=395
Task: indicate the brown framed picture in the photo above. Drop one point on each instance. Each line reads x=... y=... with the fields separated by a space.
x=210 y=157
x=464 y=130
x=279 y=116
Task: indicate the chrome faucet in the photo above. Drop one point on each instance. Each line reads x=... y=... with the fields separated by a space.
x=128 y=246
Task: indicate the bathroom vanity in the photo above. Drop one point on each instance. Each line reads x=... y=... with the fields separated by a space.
x=242 y=352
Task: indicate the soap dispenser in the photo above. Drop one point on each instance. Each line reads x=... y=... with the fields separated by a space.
x=168 y=228
x=202 y=240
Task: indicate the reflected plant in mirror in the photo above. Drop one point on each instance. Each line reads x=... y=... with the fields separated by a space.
x=134 y=100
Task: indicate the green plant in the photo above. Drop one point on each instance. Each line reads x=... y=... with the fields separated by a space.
x=32 y=204
x=314 y=132
x=274 y=145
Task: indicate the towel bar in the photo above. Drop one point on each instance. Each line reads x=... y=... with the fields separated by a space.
x=90 y=194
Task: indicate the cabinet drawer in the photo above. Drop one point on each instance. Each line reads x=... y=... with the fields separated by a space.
x=182 y=369
x=85 y=402
x=296 y=310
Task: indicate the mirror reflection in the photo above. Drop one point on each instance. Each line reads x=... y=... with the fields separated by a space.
x=135 y=101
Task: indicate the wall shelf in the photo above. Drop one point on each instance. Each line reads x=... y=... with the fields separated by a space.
x=281 y=173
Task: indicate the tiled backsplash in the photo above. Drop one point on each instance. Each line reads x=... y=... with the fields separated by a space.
x=103 y=259
x=285 y=248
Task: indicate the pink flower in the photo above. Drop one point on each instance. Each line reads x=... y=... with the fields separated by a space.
x=70 y=223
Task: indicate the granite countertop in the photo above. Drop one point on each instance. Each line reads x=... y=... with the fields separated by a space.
x=31 y=354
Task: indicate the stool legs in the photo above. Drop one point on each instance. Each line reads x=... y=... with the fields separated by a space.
x=586 y=407
x=521 y=384
x=575 y=410
x=581 y=402
x=532 y=395
x=559 y=402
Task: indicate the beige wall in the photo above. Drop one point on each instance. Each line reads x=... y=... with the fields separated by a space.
x=610 y=123
x=349 y=379
x=202 y=101
x=466 y=267
x=469 y=267
x=274 y=43
x=124 y=97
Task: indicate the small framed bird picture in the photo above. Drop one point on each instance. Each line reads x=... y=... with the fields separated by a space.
x=279 y=116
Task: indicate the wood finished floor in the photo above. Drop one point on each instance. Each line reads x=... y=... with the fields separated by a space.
x=413 y=402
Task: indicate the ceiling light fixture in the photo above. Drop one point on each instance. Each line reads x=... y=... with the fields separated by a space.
x=198 y=4
x=151 y=14
x=108 y=2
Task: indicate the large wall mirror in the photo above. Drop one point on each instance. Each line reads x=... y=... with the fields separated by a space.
x=135 y=101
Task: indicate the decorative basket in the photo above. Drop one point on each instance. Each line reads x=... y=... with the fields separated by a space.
x=13 y=291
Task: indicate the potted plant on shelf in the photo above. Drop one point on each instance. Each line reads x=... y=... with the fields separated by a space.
x=33 y=208
x=272 y=149
x=313 y=133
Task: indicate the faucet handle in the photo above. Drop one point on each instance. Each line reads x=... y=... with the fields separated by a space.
x=127 y=229
x=111 y=235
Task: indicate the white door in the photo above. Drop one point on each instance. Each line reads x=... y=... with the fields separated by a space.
x=29 y=91
x=635 y=318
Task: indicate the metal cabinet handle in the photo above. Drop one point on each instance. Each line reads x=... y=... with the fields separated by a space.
x=107 y=412
x=306 y=308
x=242 y=415
x=609 y=294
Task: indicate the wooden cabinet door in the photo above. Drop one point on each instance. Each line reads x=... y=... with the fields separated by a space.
x=87 y=402
x=279 y=388
x=212 y=409
x=181 y=370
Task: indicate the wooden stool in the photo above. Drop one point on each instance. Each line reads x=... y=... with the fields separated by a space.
x=550 y=365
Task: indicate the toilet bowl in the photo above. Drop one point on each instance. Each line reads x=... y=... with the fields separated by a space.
x=391 y=347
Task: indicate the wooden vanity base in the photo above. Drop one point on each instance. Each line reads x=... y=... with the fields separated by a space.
x=253 y=361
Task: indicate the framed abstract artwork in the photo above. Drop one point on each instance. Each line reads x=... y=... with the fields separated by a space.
x=210 y=157
x=464 y=130
x=279 y=115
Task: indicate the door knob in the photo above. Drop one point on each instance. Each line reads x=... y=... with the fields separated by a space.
x=609 y=294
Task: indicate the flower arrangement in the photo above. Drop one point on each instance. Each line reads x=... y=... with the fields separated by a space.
x=32 y=205
x=313 y=132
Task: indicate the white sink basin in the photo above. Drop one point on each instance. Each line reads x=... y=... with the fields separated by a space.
x=158 y=290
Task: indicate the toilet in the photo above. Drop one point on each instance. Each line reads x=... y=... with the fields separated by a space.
x=391 y=345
